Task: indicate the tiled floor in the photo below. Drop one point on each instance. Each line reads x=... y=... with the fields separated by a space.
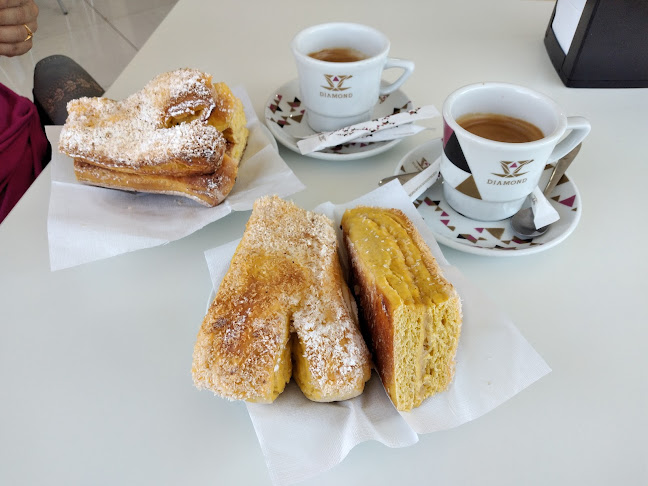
x=101 y=35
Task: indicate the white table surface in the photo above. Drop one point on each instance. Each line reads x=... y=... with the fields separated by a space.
x=95 y=360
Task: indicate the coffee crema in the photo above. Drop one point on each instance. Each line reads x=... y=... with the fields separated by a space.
x=338 y=54
x=500 y=128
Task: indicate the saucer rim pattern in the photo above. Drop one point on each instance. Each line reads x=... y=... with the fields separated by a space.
x=286 y=139
x=550 y=239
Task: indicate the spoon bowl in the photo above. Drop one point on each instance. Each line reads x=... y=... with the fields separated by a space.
x=523 y=226
x=522 y=222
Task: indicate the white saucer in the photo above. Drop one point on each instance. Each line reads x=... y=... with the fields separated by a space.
x=286 y=119
x=488 y=238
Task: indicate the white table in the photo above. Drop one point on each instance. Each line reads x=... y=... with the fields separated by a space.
x=95 y=360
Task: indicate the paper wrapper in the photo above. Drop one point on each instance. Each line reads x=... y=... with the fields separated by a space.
x=543 y=212
x=389 y=127
x=300 y=438
x=87 y=223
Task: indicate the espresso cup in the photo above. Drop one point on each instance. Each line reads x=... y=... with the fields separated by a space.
x=497 y=140
x=342 y=90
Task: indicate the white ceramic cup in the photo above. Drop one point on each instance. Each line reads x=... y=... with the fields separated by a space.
x=489 y=180
x=339 y=94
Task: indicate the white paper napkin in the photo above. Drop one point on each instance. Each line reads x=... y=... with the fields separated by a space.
x=87 y=223
x=300 y=438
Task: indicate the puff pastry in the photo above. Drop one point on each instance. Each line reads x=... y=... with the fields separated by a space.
x=181 y=134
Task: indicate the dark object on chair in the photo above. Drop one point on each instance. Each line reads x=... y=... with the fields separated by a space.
x=57 y=80
x=609 y=48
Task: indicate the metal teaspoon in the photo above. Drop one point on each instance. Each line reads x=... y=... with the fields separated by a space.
x=522 y=221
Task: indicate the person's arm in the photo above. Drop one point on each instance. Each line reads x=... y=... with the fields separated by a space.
x=17 y=26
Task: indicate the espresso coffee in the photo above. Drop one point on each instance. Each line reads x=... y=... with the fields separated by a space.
x=500 y=128
x=338 y=54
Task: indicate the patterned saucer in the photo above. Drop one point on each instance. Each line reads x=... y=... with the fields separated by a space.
x=286 y=118
x=488 y=238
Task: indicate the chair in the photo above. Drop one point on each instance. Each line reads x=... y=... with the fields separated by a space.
x=57 y=80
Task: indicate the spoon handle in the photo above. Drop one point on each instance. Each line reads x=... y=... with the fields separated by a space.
x=559 y=170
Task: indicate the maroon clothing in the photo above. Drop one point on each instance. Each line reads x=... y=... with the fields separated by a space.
x=23 y=146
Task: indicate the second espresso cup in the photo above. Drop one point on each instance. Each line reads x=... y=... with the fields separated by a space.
x=497 y=140
x=340 y=67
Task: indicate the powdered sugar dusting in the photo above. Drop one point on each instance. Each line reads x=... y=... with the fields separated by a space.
x=137 y=131
x=285 y=278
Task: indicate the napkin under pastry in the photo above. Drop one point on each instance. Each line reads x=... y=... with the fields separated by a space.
x=300 y=438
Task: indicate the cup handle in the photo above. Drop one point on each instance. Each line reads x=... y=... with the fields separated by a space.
x=406 y=66
x=579 y=127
